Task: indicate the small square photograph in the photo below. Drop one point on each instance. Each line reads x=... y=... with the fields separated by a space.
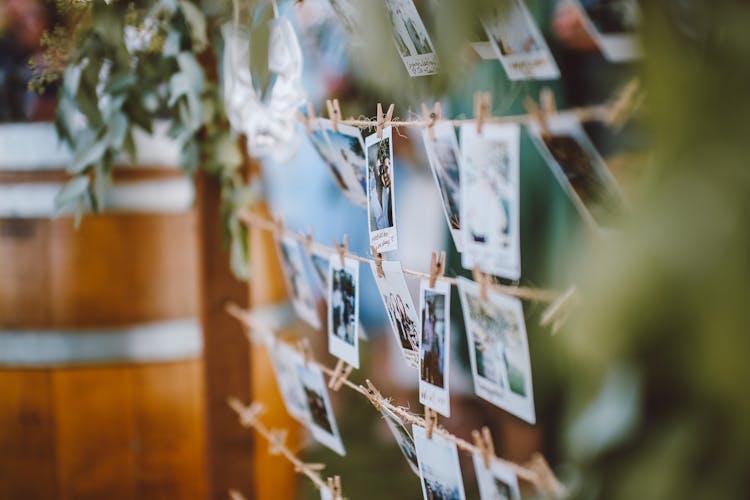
x=498 y=349
x=380 y=192
x=614 y=25
x=347 y=143
x=343 y=310
x=439 y=468
x=402 y=314
x=403 y=438
x=284 y=360
x=434 y=348
x=519 y=44
x=343 y=175
x=297 y=282
x=322 y=421
x=498 y=482
x=580 y=169
x=349 y=16
x=490 y=194
x=411 y=38
x=443 y=155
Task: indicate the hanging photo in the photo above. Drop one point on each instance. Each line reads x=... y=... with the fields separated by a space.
x=343 y=173
x=400 y=308
x=579 y=169
x=434 y=348
x=439 y=468
x=613 y=24
x=443 y=154
x=403 y=438
x=519 y=44
x=490 y=206
x=498 y=349
x=411 y=38
x=285 y=360
x=498 y=482
x=343 y=310
x=322 y=421
x=349 y=16
x=346 y=142
x=380 y=188
x=296 y=279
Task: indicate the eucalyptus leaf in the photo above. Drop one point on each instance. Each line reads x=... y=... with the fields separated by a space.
x=171 y=45
x=120 y=82
x=72 y=79
x=73 y=191
x=118 y=127
x=87 y=155
x=192 y=69
x=179 y=85
x=197 y=23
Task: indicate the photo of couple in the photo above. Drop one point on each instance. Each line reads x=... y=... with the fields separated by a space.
x=443 y=155
x=407 y=329
x=380 y=192
x=343 y=310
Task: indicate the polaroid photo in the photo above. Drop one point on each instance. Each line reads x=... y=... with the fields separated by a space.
x=434 y=347
x=411 y=38
x=490 y=193
x=402 y=314
x=519 y=44
x=613 y=24
x=297 y=282
x=349 y=16
x=403 y=438
x=484 y=50
x=580 y=169
x=498 y=482
x=439 y=468
x=381 y=212
x=348 y=150
x=444 y=157
x=322 y=421
x=498 y=349
x=343 y=174
x=285 y=360
x=343 y=310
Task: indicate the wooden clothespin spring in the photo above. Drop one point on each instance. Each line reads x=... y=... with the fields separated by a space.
x=378 y=258
x=431 y=118
x=437 y=267
x=342 y=249
x=430 y=420
x=334 y=486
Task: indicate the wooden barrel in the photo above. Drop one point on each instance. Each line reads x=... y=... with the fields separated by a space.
x=101 y=384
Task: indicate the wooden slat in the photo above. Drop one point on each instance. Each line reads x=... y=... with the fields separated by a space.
x=96 y=440
x=169 y=423
x=27 y=438
x=226 y=353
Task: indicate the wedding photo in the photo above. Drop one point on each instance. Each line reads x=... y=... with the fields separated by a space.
x=298 y=284
x=490 y=190
x=434 y=349
x=403 y=438
x=322 y=422
x=284 y=360
x=443 y=154
x=613 y=24
x=439 y=467
x=343 y=310
x=380 y=189
x=411 y=38
x=498 y=482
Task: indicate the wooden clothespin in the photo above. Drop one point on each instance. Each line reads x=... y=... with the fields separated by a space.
x=625 y=103
x=430 y=420
x=314 y=467
x=248 y=415
x=431 y=118
x=383 y=121
x=334 y=486
x=334 y=113
x=340 y=373
x=546 y=481
x=437 y=267
x=279 y=226
x=483 y=441
x=482 y=108
x=276 y=441
x=558 y=309
x=374 y=394
x=303 y=346
x=483 y=280
x=310 y=118
x=539 y=113
x=342 y=249
x=308 y=240
x=378 y=258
